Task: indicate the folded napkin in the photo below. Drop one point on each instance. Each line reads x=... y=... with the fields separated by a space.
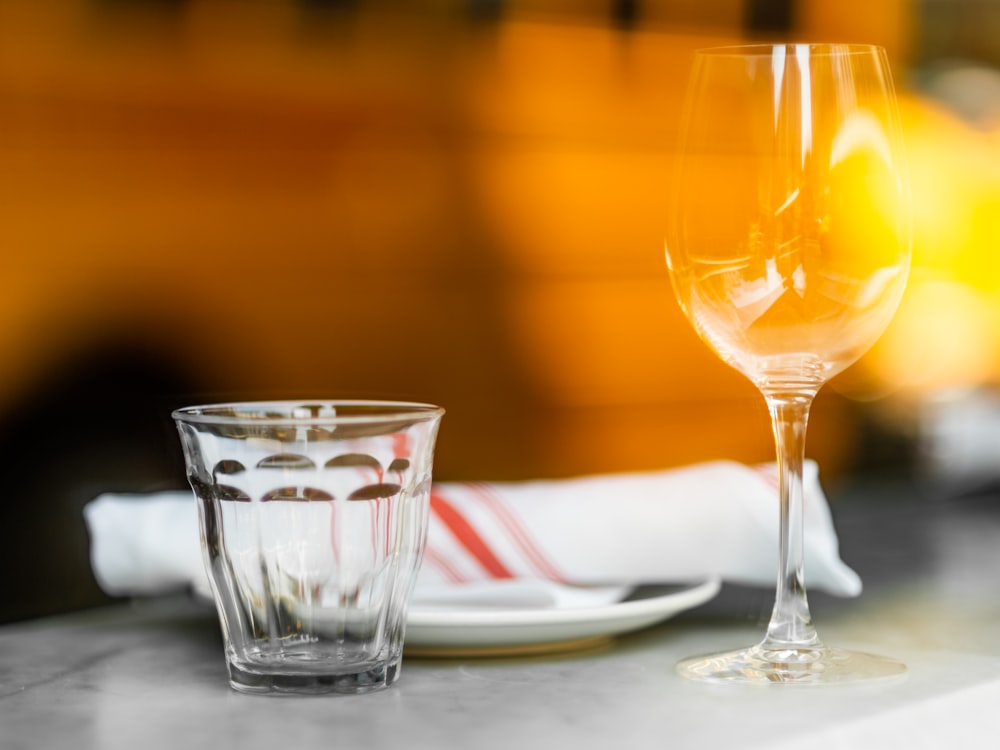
x=712 y=520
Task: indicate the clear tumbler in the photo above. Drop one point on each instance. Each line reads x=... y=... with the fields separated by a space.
x=313 y=521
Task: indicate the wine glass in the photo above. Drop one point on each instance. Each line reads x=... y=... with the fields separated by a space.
x=789 y=247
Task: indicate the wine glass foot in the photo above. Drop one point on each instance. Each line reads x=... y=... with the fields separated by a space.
x=811 y=665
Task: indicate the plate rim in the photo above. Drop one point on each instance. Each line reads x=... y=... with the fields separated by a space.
x=612 y=619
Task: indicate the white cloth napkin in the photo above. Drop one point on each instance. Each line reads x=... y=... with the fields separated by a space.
x=712 y=520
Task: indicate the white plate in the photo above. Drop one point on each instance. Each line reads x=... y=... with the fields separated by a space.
x=457 y=631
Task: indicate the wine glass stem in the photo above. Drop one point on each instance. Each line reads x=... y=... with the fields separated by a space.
x=791 y=624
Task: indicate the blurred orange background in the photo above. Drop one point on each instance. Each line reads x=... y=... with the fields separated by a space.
x=454 y=202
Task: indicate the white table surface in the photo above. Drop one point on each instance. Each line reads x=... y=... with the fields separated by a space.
x=149 y=674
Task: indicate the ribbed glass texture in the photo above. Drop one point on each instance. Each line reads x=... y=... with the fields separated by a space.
x=313 y=521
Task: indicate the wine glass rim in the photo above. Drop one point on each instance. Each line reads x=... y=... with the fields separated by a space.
x=328 y=412
x=766 y=49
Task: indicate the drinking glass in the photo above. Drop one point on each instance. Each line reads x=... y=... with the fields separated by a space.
x=313 y=521
x=788 y=246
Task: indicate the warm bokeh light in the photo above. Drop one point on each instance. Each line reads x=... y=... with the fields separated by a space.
x=281 y=200
x=947 y=332
x=946 y=336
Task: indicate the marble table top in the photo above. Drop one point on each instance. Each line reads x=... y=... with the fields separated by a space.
x=150 y=674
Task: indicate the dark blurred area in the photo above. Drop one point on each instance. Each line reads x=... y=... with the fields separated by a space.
x=455 y=202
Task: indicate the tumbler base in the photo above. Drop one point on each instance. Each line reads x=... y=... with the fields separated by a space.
x=361 y=680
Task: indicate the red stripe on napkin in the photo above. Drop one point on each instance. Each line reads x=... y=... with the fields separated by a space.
x=769 y=473
x=401 y=445
x=433 y=557
x=468 y=537
x=516 y=531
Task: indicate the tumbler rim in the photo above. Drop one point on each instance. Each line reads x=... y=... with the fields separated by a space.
x=256 y=412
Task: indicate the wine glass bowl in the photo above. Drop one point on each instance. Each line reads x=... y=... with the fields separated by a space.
x=788 y=246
